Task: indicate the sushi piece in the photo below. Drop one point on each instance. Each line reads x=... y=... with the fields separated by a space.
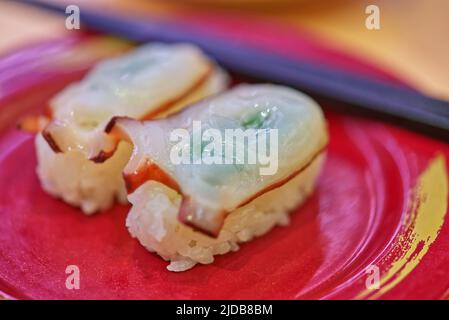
x=221 y=172
x=152 y=81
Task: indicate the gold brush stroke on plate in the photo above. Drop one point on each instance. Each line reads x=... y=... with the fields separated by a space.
x=425 y=216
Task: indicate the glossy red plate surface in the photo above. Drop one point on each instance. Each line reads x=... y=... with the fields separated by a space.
x=381 y=200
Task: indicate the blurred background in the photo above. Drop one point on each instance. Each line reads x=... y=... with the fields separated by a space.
x=412 y=43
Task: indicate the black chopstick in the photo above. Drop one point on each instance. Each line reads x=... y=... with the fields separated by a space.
x=392 y=102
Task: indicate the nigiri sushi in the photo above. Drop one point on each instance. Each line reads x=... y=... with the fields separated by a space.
x=198 y=189
x=152 y=81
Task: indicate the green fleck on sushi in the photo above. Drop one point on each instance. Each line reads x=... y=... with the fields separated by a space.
x=255 y=120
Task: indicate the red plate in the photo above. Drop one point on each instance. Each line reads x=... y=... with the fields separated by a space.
x=381 y=201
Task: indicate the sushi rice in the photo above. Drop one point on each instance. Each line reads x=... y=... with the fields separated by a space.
x=153 y=220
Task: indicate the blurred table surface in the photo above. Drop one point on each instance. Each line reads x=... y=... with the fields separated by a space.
x=413 y=41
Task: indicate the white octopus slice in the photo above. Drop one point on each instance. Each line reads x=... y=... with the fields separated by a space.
x=210 y=191
x=149 y=82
